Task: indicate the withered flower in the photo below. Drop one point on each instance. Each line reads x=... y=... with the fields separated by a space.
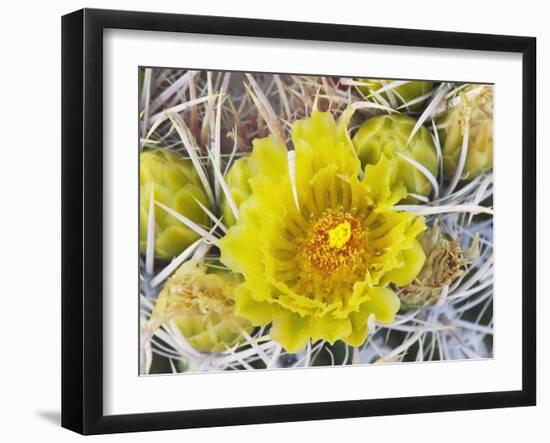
x=445 y=262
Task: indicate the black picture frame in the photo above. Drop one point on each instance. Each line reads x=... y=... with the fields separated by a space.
x=82 y=219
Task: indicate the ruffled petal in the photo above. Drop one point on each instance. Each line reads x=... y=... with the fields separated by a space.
x=269 y=159
x=380 y=178
x=330 y=328
x=259 y=313
x=383 y=303
x=413 y=259
x=291 y=331
x=328 y=141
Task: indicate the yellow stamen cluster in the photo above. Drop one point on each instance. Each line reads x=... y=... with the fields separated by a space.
x=334 y=241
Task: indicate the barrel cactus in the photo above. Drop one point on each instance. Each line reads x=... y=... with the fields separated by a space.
x=475 y=110
x=200 y=304
x=176 y=185
x=403 y=93
x=237 y=183
x=388 y=135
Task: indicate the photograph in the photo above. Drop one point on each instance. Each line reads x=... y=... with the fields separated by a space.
x=291 y=221
x=275 y=222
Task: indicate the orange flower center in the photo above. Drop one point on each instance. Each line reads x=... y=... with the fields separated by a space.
x=334 y=241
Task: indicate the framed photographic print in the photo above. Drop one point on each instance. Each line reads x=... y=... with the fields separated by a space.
x=276 y=221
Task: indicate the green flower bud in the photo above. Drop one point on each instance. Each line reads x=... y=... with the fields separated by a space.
x=237 y=182
x=201 y=305
x=175 y=184
x=403 y=93
x=475 y=109
x=445 y=262
x=388 y=135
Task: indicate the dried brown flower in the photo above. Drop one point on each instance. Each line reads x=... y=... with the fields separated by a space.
x=445 y=262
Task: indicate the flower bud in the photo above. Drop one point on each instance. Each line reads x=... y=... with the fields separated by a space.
x=388 y=135
x=237 y=183
x=175 y=184
x=200 y=304
x=475 y=110
x=403 y=93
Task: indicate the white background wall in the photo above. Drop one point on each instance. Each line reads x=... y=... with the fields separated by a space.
x=30 y=218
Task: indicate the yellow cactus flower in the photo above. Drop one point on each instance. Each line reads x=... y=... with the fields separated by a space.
x=403 y=93
x=175 y=184
x=202 y=307
x=318 y=246
x=475 y=110
x=388 y=135
x=237 y=183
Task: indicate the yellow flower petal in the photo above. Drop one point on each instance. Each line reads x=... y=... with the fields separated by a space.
x=380 y=177
x=259 y=313
x=324 y=142
x=330 y=329
x=383 y=303
x=413 y=260
x=269 y=158
x=291 y=330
